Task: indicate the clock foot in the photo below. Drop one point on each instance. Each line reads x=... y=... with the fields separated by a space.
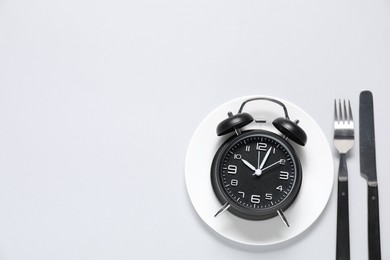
x=283 y=217
x=222 y=210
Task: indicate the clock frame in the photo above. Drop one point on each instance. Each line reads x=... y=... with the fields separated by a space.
x=243 y=180
x=254 y=193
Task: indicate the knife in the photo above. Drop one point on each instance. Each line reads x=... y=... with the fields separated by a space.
x=368 y=171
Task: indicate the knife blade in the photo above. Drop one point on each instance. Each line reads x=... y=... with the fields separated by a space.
x=368 y=171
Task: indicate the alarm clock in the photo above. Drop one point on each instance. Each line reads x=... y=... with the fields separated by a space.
x=256 y=174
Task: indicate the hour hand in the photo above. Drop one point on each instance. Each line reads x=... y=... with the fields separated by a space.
x=250 y=166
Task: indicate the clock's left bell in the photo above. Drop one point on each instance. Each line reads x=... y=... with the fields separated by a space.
x=233 y=122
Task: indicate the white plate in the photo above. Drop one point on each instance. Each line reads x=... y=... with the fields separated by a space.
x=317 y=182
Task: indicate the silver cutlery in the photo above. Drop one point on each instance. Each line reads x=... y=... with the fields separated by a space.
x=368 y=171
x=343 y=142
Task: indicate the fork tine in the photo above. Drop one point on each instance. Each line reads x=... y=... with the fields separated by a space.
x=335 y=111
x=350 y=111
x=345 y=112
x=341 y=114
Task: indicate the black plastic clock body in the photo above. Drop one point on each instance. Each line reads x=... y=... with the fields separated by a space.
x=256 y=174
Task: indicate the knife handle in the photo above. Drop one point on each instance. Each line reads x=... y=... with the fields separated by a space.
x=342 y=236
x=374 y=245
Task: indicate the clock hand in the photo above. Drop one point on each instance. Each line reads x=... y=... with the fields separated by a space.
x=272 y=165
x=258 y=159
x=257 y=172
x=248 y=164
x=265 y=158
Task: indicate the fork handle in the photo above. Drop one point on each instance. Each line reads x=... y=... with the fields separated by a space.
x=342 y=239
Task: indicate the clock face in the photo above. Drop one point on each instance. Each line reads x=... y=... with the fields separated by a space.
x=257 y=173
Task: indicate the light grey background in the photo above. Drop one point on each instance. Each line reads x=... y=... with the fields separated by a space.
x=99 y=99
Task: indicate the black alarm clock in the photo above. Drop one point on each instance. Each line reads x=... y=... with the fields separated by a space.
x=256 y=174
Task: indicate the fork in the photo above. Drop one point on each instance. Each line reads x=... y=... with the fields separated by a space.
x=343 y=142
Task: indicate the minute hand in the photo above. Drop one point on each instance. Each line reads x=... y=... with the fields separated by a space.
x=265 y=158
